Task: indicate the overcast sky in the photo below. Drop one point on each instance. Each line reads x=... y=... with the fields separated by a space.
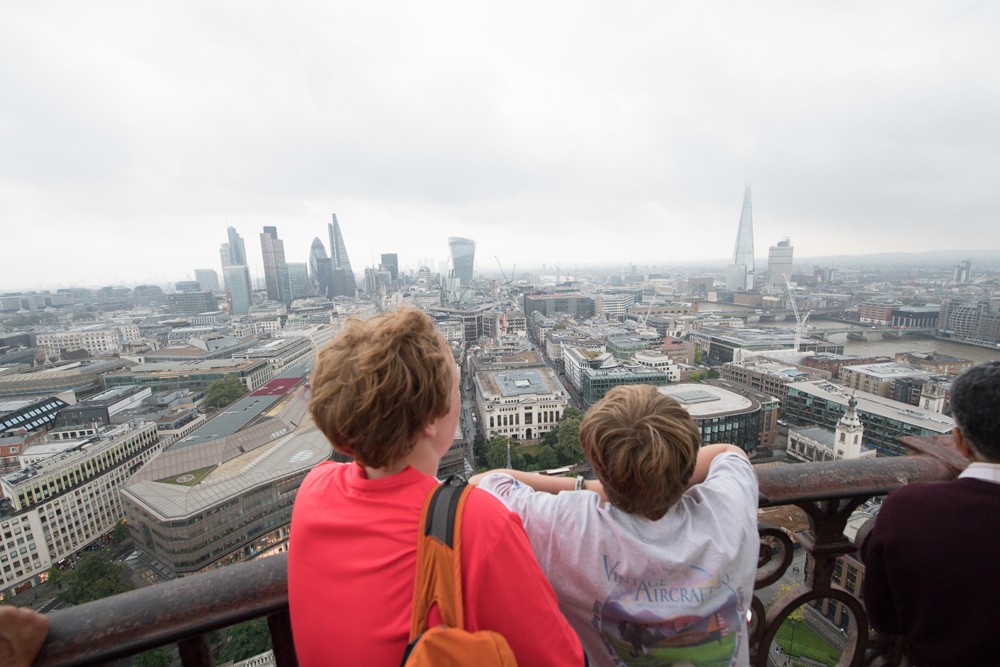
x=133 y=133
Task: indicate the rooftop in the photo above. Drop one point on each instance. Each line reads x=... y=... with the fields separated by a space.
x=705 y=400
x=877 y=405
x=889 y=370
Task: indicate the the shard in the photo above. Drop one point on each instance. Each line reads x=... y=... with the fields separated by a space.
x=343 y=277
x=740 y=274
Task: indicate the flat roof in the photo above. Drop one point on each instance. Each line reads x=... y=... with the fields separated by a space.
x=705 y=400
x=247 y=409
x=889 y=370
x=175 y=498
x=877 y=405
x=519 y=382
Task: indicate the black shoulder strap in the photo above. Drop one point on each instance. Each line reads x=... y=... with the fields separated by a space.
x=441 y=513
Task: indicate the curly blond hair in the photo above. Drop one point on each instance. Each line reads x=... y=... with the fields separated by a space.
x=378 y=383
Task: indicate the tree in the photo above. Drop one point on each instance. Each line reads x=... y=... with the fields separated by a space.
x=568 y=449
x=119 y=532
x=551 y=438
x=480 y=447
x=571 y=412
x=55 y=576
x=92 y=579
x=547 y=458
x=694 y=377
x=157 y=657
x=245 y=641
x=712 y=374
x=223 y=392
x=496 y=457
x=697 y=356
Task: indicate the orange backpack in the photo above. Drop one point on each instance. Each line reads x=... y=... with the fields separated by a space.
x=439 y=581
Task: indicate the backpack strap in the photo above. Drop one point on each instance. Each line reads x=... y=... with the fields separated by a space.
x=438 y=578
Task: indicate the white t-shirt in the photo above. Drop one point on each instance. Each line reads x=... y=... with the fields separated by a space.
x=674 y=591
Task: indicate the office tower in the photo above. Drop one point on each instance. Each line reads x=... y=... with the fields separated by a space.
x=187 y=286
x=390 y=262
x=275 y=268
x=463 y=255
x=779 y=264
x=238 y=290
x=343 y=277
x=963 y=272
x=234 y=253
x=298 y=280
x=208 y=279
x=191 y=303
x=377 y=280
x=320 y=269
x=740 y=274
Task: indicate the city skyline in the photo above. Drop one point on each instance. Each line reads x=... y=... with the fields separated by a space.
x=601 y=135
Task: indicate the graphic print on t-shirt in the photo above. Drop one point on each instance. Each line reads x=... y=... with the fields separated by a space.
x=669 y=616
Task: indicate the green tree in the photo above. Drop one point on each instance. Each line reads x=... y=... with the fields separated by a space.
x=568 y=449
x=245 y=641
x=551 y=438
x=225 y=391
x=547 y=458
x=712 y=374
x=119 y=532
x=92 y=579
x=480 y=447
x=697 y=356
x=157 y=657
x=55 y=576
x=496 y=457
x=695 y=377
x=569 y=413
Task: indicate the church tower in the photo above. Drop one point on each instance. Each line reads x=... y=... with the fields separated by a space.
x=932 y=396
x=849 y=433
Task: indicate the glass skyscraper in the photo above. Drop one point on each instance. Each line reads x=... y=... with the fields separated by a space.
x=463 y=256
x=740 y=274
x=275 y=268
x=320 y=271
x=238 y=290
x=343 y=281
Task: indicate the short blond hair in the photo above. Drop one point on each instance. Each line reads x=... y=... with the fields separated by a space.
x=643 y=446
x=378 y=383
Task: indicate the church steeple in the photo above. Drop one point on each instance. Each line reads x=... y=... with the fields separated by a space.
x=849 y=433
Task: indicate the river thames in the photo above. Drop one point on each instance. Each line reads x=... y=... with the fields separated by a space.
x=876 y=345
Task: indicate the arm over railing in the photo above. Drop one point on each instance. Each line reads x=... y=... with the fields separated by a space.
x=185 y=611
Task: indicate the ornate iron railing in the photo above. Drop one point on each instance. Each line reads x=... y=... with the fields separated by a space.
x=829 y=493
x=185 y=611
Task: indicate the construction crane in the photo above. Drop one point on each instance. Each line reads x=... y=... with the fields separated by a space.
x=800 y=322
x=506 y=281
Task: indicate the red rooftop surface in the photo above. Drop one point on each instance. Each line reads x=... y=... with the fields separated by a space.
x=276 y=387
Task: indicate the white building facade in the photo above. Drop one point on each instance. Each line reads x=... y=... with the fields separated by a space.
x=61 y=504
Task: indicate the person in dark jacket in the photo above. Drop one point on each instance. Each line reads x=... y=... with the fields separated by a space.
x=929 y=560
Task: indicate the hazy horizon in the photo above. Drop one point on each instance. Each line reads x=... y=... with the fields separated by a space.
x=131 y=136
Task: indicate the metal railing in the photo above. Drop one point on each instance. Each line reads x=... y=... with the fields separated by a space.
x=185 y=611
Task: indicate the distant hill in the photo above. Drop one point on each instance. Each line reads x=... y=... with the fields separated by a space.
x=980 y=257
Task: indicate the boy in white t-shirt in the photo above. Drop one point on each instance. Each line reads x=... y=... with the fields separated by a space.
x=657 y=565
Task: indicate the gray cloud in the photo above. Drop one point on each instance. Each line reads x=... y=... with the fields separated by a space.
x=562 y=132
